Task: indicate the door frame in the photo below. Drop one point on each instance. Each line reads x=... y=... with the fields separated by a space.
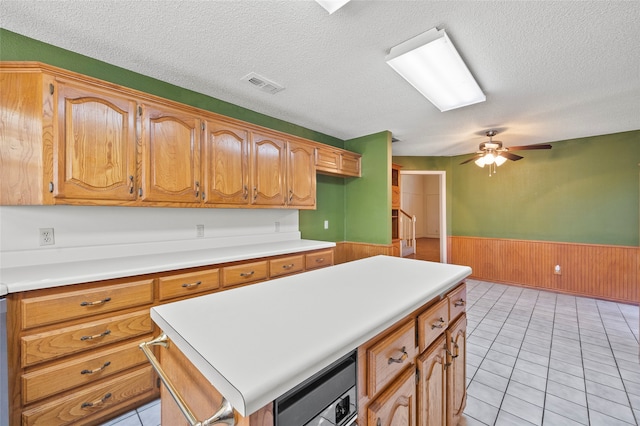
x=443 y=205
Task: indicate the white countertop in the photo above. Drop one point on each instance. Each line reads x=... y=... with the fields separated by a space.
x=34 y=277
x=254 y=343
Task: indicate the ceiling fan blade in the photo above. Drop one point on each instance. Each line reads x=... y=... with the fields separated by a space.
x=510 y=156
x=522 y=148
x=474 y=158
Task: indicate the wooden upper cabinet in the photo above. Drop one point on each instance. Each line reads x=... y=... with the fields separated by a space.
x=225 y=164
x=170 y=155
x=268 y=170
x=95 y=148
x=301 y=175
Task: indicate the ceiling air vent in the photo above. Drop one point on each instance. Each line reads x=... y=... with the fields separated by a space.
x=262 y=83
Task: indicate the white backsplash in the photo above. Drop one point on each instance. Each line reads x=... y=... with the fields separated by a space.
x=86 y=232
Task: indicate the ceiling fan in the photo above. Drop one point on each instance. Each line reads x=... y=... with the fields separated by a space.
x=493 y=154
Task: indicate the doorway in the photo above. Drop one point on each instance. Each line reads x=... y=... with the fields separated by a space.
x=424 y=195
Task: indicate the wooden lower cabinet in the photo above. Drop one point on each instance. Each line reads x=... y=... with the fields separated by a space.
x=415 y=373
x=396 y=406
x=94 y=401
x=432 y=385
x=73 y=350
x=456 y=370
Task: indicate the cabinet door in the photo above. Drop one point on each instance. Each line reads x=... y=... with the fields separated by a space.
x=225 y=164
x=269 y=170
x=94 y=155
x=432 y=385
x=397 y=405
x=171 y=155
x=456 y=371
x=301 y=175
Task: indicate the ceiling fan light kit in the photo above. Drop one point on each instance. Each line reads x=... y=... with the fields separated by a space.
x=492 y=153
x=433 y=66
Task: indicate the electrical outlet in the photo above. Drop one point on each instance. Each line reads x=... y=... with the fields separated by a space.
x=326 y=224
x=46 y=237
x=199 y=231
x=557 y=270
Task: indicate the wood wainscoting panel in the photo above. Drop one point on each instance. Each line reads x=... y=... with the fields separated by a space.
x=594 y=270
x=346 y=251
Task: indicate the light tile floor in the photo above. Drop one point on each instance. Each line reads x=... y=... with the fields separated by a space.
x=535 y=358
x=541 y=358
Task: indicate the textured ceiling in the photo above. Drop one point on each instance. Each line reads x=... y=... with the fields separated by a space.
x=551 y=70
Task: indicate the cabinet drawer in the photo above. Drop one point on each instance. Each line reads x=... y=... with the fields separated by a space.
x=245 y=273
x=432 y=323
x=53 y=308
x=65 y=341
x=319 y=259
x=90 y=401
x=188 y=283
x=286 y=265
x=327 y=159
x=388 y=357
x=457 y=302
x=48 y=381
x=350 y=164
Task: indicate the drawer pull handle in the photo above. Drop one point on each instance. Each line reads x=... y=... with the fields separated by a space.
x=289 y=266
x=320 y=260
x=95 y=336
x=96 y=303
x=97 y=370
x=97 y=402
x=131 y=185
x=400 y=360
x=439 y=324
x=247 y=274
x=290 y=195
x=246 y=192
x=225 y=413
x=459 y=302
x=190 y=285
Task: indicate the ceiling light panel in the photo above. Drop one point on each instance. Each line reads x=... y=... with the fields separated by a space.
x=332 y=5
x=431 y=64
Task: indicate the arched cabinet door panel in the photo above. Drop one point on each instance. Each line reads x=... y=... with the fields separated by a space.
x=170 y=155
x=95 y=146
x=269 y=170
x=396 y=406
x=301 y=175
x=225 y=164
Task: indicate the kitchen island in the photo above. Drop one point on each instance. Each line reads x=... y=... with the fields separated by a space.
x=253 y=344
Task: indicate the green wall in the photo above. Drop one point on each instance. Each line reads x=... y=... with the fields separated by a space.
x=582 y=190
x=368 y=198
x=330 y=206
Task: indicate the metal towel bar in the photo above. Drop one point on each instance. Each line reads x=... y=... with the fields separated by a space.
x=224 y=415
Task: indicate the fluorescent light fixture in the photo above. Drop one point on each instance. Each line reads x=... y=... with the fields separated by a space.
x=332 y=5
x=431 y=64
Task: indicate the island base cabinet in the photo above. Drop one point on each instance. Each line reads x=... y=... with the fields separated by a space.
x=456 y=370
x=200 y=396
x=432 y=385
x=396 y=406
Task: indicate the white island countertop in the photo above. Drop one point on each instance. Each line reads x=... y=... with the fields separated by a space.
x=255 y=343
x=34 y=277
